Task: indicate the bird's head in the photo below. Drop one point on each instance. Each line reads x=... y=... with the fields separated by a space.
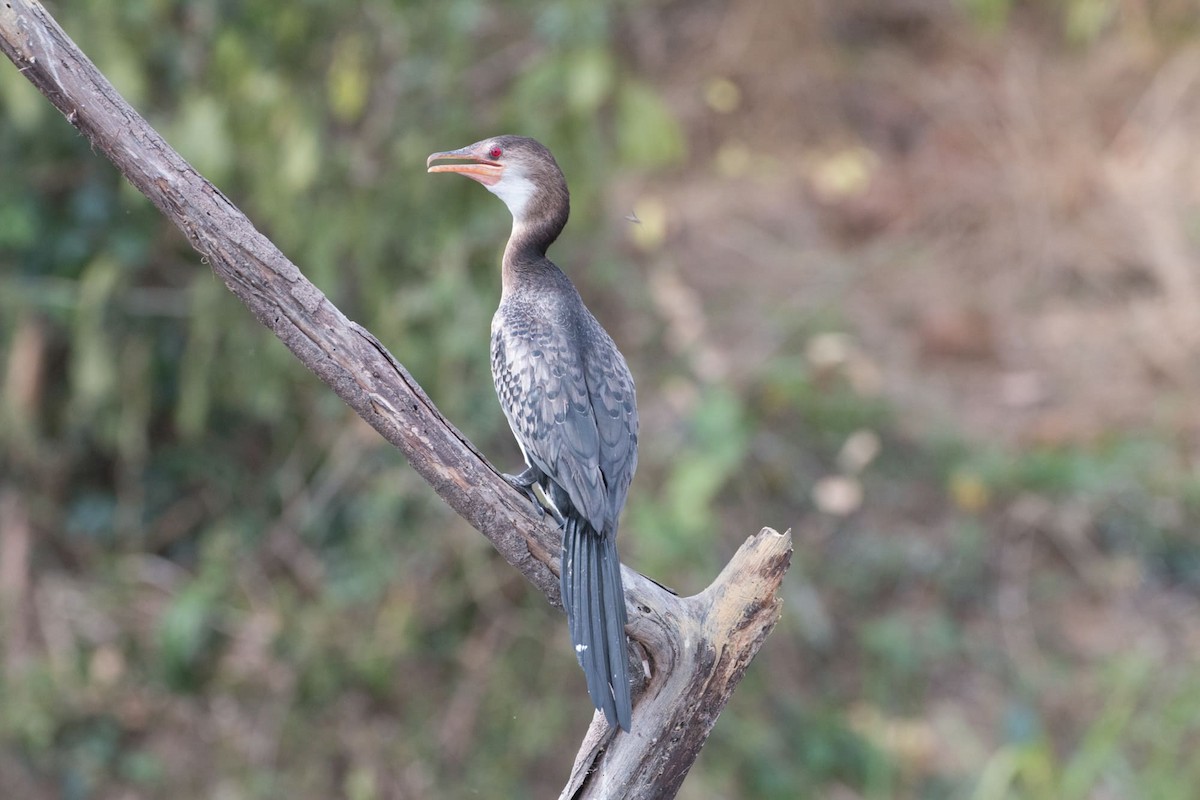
x=517 y=169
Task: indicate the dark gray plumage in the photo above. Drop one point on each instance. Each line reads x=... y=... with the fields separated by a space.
x=569 y=399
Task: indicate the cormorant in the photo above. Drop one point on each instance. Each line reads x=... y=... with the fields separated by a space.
x=569 y=399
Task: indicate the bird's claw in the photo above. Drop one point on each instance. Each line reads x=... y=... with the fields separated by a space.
x=559 y=519
x=525 y=483
x=525 y=486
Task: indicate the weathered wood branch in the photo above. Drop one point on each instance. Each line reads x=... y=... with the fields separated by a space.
x=694 y=649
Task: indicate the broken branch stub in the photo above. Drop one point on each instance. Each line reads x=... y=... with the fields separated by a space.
x=697 y=649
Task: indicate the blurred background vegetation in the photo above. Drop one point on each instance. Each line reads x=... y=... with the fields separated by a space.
x=916 y=279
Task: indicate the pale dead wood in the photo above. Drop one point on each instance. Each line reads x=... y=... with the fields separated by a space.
x=695 y=649
x=698 y=648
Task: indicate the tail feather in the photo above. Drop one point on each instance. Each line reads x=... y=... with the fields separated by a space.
x=595 y=602
x=615 y=616
x=592 y=625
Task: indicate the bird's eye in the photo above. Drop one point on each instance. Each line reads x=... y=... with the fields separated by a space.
x=495 y=153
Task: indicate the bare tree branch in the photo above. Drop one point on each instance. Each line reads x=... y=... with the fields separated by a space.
x=694 y=650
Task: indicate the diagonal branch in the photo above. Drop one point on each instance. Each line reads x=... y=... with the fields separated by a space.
x=695 y=649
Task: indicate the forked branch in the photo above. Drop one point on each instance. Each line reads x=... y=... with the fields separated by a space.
x=694 y=649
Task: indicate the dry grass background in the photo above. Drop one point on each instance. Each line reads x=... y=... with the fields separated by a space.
x=1002 y=228
x=1006 y=220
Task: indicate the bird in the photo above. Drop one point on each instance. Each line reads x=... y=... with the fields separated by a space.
x=569 y=399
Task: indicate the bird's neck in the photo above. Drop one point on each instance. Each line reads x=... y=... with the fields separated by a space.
x=525 y=261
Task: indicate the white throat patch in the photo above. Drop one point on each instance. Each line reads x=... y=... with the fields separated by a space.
x=515 y=190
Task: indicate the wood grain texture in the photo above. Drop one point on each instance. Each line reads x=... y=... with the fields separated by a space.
x=696 y=649
x=693 y=651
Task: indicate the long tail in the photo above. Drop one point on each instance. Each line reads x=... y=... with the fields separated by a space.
x=595 y=602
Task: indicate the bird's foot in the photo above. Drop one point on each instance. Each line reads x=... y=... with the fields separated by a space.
x=526 y=488
x=559 y=519
x=526 y=483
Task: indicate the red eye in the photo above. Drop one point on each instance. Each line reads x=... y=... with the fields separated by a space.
x=495 y=153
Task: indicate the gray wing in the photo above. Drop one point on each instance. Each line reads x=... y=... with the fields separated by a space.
x=614 y=404
x=570 y=404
